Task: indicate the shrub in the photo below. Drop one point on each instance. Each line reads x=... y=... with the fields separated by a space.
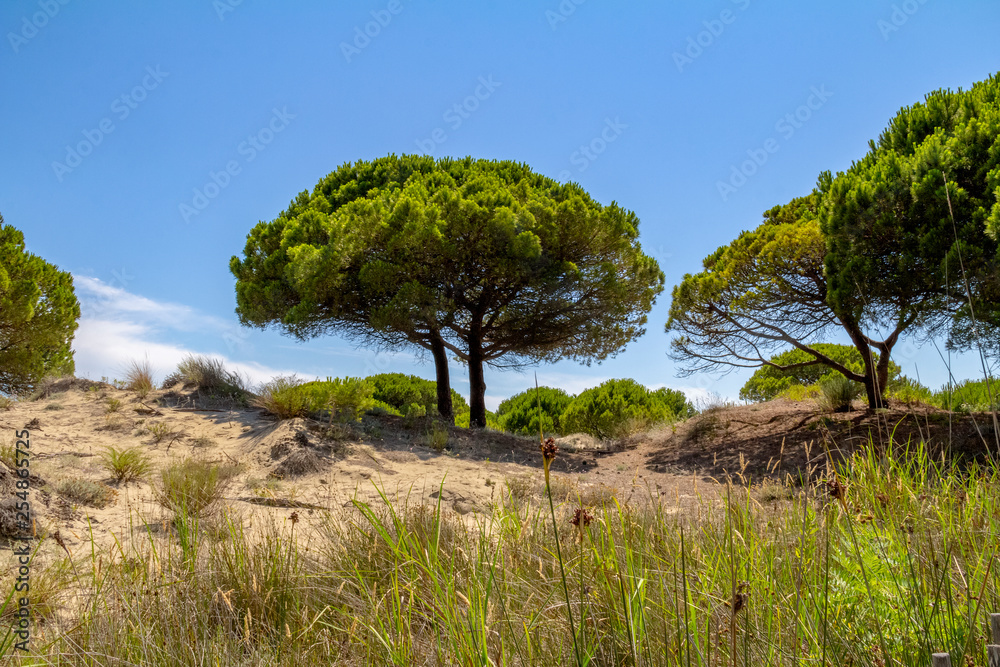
x=618 y=407
x=114 y=405
x=139 y=378
x=345 y=399
x=281 y=398
x=382 y=408
x=6 y=402
x=160 y=431
x=191 y=487
x=399 y=391
x=126 y=465
x=909 y=391
x=209 y=375
x=799 y=392
x=86 y=492
x=519 y=413
x=768 y=382
x=837 y=394
x=492 y=423
x=968 y=396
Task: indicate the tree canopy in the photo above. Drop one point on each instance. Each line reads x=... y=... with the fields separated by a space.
x=38 y=316
x=872 y=251
x=769 y=381
x=485 y=260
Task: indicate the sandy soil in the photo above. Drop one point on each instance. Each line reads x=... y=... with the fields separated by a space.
x=302 y=466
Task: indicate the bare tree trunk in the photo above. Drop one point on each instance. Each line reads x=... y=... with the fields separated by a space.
x=875 y=377
x=477 y=383
x=443 y=378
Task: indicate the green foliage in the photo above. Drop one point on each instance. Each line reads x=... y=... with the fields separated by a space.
x=519 y=413
x=127 y=464
x=398 y=391
x=619 y=407
x=487 y=256
x=344 y=399
x=837 y=393
x=382 y=408
x=893 y=244
x=768 y=382
x=38 y=316
x=492 y=422
x=909 y=391
x=281 y=398
x=969 y=396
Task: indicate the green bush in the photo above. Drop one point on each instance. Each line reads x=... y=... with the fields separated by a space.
x=382 y=408
x=837 y=393
x=619 y=407
x=909 y=391
x=768 y=382
x=398 y=391
x=127 y=464
x=343 y=399
x=282 y=398
x=492 y=423
x=968 y=396
x=519 y=413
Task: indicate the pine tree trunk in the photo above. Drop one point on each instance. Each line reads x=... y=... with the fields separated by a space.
x=477 y=383
x=443 y=379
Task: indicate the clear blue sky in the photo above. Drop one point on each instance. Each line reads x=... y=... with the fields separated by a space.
x=117 y=114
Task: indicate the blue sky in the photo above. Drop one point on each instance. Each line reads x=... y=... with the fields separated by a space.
x=141 y=141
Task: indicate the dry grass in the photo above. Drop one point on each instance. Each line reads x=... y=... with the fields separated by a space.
x=86 y=492
x=191 y=487
x=139 y=378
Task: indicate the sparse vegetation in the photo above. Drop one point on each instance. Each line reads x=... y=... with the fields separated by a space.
x=113 y=405
x=190 y=488
x=837 y=394
x=127 y=464
x=86 y=492
x=161 y=431
x=139 y=378
x=209 y=375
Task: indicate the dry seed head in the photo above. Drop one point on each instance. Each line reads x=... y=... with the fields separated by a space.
x=581 y=518
x=549 y=449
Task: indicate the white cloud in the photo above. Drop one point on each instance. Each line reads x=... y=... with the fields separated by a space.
x=117 y=327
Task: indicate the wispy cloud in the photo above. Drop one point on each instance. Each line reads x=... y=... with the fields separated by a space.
x=117 y=326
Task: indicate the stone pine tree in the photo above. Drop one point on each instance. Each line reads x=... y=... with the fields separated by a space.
x=903 y=241
x=483 y=260
x=38 y=316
